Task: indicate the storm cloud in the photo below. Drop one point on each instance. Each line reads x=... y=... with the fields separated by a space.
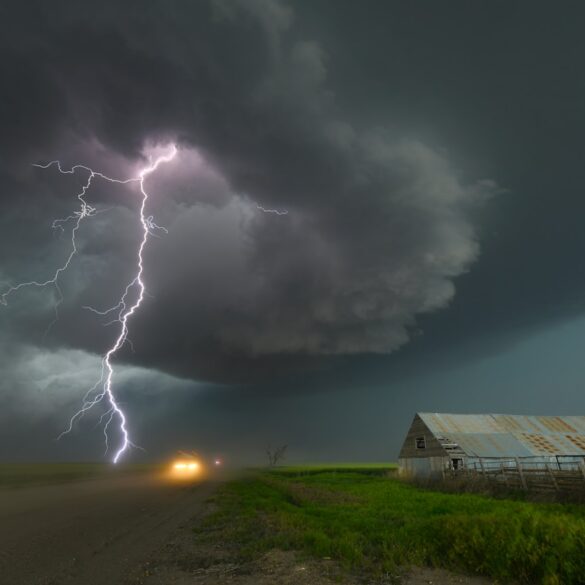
x=379 y=225
x=400 y=276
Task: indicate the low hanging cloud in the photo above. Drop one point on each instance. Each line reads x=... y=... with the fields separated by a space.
x=46 y=384
x=378 y=226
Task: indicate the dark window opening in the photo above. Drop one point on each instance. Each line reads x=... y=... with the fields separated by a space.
x=420 y=443
x=457 y=463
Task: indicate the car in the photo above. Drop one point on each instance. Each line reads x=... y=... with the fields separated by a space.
x=187 y=464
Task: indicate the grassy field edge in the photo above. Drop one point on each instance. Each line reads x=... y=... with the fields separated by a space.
x=374 y=523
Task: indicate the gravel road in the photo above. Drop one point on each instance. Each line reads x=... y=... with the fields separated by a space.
x=91 y=532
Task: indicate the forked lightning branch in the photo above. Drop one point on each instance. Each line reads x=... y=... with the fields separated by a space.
x=102 y=393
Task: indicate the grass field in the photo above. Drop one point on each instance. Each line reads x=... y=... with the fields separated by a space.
x=311 y=468
x=14 y=475
x=373 y=523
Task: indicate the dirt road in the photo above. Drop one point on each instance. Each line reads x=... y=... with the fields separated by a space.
x=91 y=532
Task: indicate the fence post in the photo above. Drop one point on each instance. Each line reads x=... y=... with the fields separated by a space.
x=582 y=467
x=521 y=473
x=482 y=467
x=503 y=468
x=552 y=477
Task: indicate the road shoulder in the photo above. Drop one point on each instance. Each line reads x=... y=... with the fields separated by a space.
x=189 y=559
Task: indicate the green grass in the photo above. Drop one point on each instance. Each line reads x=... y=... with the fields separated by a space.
x=15 y=475
x=374 y=523
x=318 y=468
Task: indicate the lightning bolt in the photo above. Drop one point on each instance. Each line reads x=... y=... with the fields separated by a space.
x=275 y=211
x=85 y=211
x=102 y=390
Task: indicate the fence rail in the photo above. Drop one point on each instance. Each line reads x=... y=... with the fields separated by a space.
x=557 y=474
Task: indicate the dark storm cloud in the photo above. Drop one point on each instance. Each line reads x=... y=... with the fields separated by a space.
x=378 y=226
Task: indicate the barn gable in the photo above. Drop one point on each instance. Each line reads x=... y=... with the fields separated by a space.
x=421 y=441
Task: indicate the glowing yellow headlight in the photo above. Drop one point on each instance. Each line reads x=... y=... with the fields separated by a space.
x=190 y=466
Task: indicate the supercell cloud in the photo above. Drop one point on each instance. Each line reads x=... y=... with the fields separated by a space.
x=378 y=225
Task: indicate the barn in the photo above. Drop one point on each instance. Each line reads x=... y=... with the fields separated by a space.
x=438 y=443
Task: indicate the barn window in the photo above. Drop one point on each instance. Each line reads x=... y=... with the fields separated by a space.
x=420 y=443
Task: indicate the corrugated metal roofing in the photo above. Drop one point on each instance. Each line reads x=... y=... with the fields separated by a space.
x=490 y=445
x=508 y=435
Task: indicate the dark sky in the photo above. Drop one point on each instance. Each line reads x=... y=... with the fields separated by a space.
x=430 y=157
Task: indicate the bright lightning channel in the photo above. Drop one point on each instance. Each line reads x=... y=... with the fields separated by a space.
x=125 y=308
x=275 y=211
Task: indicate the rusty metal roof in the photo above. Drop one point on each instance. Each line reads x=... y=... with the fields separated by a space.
x=509 y=435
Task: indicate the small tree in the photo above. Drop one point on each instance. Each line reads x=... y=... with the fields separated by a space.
x=275 y=455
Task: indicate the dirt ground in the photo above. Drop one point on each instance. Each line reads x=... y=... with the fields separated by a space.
x=286 y=568
x=139 y=531
x=184 y=561
x=89 y=532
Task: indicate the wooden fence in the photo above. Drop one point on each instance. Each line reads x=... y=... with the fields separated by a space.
x=527 y=473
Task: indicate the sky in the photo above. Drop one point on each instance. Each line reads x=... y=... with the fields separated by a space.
x=426 y=161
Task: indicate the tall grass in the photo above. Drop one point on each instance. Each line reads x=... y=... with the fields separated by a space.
x=375 y=523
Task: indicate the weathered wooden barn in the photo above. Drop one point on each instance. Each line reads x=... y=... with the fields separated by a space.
x=439 y=443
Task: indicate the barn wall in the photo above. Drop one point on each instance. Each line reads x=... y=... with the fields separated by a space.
x=422 y=467
x=419 y=429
